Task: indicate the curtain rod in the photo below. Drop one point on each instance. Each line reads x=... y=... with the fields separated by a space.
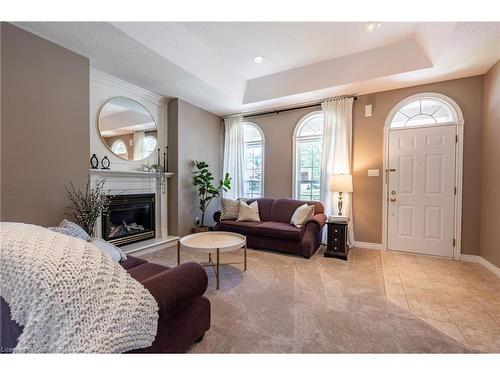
x=278 y=111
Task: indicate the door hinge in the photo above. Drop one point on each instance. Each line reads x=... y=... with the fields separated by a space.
x=454 y=241
x=456 y=138
x=455 y=190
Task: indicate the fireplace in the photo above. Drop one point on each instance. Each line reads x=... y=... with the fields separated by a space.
x=129 y=218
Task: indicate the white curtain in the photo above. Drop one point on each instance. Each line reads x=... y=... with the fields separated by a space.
x=139 y=145
x=234 y=155
x=336 y=156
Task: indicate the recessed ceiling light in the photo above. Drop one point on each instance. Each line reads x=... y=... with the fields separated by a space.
x=258 y=59
x=373 y=26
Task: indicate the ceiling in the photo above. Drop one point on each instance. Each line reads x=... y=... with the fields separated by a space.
x=288 y=45
x=211 y=64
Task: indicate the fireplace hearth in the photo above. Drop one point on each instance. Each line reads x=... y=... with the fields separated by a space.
x=129 y=218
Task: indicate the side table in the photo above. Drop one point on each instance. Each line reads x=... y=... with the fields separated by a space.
x=337 y=246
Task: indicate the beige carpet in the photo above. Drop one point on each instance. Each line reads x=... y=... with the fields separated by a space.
x=288 y=304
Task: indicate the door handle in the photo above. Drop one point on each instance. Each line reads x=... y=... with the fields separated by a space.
x=393 y=199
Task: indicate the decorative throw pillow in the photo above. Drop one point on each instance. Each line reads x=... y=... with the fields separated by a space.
x=71 y=229
x=229 y=208
x=115 y=252
x=65 y=231
x=301 y=215
x=248 y=212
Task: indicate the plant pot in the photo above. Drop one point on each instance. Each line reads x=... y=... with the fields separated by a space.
x=200 y=229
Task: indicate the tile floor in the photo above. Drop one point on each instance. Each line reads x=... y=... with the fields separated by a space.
x=461 y=299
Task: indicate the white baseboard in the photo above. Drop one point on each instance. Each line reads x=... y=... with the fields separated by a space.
x=479 y=259
x=368 y=245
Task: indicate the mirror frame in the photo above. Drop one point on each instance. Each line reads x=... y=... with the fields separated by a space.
x=102 y=138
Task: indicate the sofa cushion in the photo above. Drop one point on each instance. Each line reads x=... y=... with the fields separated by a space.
x=283 y=209
x=71 y=229
x=229 y=209
x=279 y=230
x=107 y=247
x=248 y=212
x=146 y=270
x=132 y=262
x=265 y=205
x=246 y=228
x=302 y=214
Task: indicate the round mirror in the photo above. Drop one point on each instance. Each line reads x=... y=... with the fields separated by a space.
x=127 y=129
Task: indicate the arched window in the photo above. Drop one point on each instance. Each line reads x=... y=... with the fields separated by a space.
x=308 y=142
x=423 y=111
x=254 y=161
x=149 y=145
x=120 y=148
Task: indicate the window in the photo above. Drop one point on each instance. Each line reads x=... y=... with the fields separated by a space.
x=149 y=145
x=120 y=149
x=423 y=112
x=254 y=160
x=308 y=142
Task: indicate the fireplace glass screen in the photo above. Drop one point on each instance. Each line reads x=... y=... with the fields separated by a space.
x=129 y=218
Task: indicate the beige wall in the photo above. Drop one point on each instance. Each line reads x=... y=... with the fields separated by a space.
x=490 y=168
x=368 y=149
x=45 y=132
x=173 y=166
x=193 y=134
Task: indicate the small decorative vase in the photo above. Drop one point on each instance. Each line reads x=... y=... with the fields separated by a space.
x=94 y=162
x=105 y=163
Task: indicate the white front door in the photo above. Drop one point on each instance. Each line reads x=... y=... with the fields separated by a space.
x=421 y=190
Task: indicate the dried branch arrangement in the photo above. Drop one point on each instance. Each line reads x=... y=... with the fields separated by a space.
x=87 y=206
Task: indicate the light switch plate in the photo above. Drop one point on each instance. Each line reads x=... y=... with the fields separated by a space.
x=368 y=110
x=373 y=172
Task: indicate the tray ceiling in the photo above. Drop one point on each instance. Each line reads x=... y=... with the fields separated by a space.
x=211 y=64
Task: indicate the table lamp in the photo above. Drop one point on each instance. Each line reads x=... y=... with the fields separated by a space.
x=341 y=183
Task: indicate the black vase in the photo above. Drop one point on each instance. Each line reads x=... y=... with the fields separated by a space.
x=94 y=162
x=105 y=163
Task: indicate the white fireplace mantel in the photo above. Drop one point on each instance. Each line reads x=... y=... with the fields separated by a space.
x=138 y=182
x=110 y=172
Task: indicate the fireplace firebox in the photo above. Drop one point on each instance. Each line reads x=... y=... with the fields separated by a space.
x=129 y=218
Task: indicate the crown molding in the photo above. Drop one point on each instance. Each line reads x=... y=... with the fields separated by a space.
x=107 y=79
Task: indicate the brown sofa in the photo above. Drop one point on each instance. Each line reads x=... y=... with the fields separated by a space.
x=274 y=231
x=184 y=313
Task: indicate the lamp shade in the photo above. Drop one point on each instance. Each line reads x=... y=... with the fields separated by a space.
x=341 y=183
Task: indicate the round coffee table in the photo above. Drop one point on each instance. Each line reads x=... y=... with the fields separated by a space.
x=209 y=242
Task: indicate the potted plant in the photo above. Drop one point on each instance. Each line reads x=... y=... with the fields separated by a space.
x=203 y=179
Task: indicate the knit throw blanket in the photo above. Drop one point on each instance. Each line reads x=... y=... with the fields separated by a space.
x=69 y=296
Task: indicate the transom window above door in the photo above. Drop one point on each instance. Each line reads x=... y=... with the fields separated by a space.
x=254 y=161
x=423 y=112
x=308 y=143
